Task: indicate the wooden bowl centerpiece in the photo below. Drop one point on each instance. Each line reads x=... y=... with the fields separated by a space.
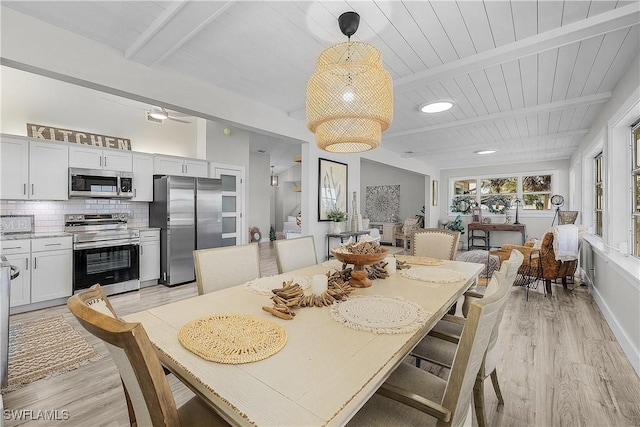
x=359 y=277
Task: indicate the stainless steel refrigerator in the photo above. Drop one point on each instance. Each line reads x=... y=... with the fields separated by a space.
x=189 y=213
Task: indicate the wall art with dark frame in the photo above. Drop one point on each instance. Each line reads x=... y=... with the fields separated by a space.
x=332 y=187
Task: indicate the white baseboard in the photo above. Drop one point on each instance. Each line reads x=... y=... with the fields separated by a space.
x=632 y=353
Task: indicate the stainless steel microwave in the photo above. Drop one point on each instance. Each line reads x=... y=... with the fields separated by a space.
x=100 y=183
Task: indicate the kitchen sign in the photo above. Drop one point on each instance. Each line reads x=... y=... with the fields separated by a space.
x=54 y=134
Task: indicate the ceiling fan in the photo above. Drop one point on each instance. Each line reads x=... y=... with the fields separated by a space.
x=160 y=113
x=153 y=113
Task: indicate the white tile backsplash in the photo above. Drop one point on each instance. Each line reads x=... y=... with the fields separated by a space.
x=49 y=216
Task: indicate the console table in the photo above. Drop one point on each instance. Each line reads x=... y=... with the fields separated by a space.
x=342 y=236
x=486 y=229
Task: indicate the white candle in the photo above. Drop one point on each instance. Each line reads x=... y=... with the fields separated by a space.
x=320 y=284
x=391 y=264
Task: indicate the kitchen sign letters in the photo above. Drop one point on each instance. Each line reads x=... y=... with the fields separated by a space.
x=55 y=134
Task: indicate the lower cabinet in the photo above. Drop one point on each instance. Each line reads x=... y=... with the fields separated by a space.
x=149 y=256
x=46 y=269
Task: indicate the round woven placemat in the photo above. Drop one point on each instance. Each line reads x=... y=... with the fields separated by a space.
x=433 y=275
x=232 y=338
x=378 y=314
x=419 y=260
x=264 y=285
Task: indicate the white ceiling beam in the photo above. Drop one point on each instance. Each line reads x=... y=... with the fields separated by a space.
x=497 y=144
x=152 y=30
x=175 y=27
x=599 y=24
x=528 y=111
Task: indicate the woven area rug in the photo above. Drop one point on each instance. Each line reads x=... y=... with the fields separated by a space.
x=44 y=348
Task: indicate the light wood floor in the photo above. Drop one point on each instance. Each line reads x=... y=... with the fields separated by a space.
x=560 y=365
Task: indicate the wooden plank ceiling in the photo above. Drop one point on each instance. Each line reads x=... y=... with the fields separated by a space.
x=527 y=77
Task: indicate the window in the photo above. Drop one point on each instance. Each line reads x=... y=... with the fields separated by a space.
x=636 y=191
x=598 y=193
x=534 y=190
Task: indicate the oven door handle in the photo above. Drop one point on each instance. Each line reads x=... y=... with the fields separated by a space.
x=105 y=244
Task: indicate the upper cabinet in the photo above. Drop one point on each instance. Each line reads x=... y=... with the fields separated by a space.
x=171 y=165
x=14 y=169
x=84 y=156
x=142 y=177
x=48 y=171
x=33 y=170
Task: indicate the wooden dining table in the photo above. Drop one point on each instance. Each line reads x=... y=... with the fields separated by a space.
x=325 y=372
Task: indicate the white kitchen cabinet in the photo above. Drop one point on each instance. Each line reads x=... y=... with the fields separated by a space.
x=142 y=177
x=180 y=166
x=48 y=171
x=149 y=256
x=51 y=268
x=86 y=156
x=18 y=253
x=14 y=169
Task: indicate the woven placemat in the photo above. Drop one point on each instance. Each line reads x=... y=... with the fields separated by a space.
x=419 y=260
x=264 y=285
x=433 y=275
x=232 y=338
x=380 y=315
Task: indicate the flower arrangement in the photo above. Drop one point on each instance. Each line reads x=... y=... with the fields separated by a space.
x=498 y=204
x=455 y=225
x=336 y=215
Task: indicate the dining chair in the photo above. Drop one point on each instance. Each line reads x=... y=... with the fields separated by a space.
x=149 y=398
x=439 y=347
x=292 y=254
x=414 y=397
x=435 y=243
x=220 y=268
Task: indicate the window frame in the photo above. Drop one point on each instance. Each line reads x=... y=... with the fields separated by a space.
x=555 y=176
x=598 y=184
x=634 y=244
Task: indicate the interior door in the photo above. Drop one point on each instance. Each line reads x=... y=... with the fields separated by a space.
x=233 y=228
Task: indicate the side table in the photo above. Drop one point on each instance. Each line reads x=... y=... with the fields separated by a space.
x=342 y=236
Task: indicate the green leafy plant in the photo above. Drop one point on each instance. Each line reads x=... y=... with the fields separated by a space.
x=455 y=225
x=420 y=217
x=336 y=215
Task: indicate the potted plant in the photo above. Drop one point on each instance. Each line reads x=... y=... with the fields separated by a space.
x=336 y=216
x=455 y=225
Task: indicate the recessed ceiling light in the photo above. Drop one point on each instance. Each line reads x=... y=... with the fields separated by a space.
x=436 y=107
x=481 y=152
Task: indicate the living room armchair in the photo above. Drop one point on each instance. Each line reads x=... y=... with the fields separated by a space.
x=403 y=232
x=552 y=269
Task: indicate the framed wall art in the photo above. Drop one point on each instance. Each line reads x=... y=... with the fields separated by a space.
x=332 y=187
x=434 y=192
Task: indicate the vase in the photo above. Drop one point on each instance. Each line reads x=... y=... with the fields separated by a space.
x=335 y=227
x=507 y=218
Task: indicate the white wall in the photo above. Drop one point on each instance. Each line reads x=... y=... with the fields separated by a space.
x=286 y=201
x=536 y=222
x=615 y=283
x=412 y=186
x=29 y=98
x=259 y=194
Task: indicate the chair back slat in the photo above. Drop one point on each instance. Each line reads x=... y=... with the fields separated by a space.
x=149 y=396
x=292 y=254
x=476 y=334
x=220 y=268
x=435 y=243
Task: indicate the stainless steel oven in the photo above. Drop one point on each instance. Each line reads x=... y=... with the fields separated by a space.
x=105 y=251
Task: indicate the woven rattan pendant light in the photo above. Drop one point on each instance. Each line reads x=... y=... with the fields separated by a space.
x=350 y=96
